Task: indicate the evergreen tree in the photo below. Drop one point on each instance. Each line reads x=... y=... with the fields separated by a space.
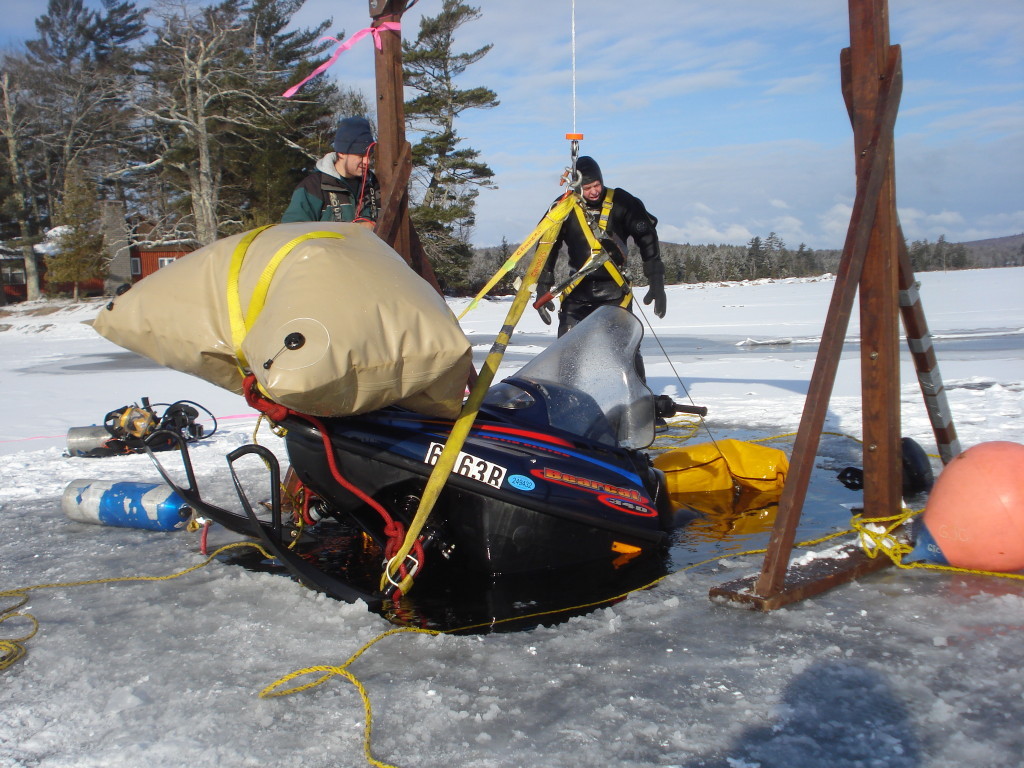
x=447 y=177
x=80 y=255
x=755 y=259
x=82 y=61
x=775 y=257
x=940 y=254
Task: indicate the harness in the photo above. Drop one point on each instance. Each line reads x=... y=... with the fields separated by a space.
x=594 y=227
x=342 y=203
x=606 y=210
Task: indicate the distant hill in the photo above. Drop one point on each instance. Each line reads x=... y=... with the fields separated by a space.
x=997 y=251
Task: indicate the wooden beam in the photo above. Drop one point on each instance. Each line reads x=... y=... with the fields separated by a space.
x=392 y=166
x=392 y=193
x=817 y=576
x=869 y=189
x=919 y=339
x=872 y=86
x=870 y=55
x=915 y=324
x=391 y=116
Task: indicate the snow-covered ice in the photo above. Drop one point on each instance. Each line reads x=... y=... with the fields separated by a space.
x=900 y=669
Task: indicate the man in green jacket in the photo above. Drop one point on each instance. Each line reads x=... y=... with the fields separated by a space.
x=342 y=188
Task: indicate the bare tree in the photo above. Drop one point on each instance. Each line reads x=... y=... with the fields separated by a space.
x=15 y=129
x=205 y=93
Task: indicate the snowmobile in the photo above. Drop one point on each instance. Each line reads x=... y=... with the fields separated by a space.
x=552 y=479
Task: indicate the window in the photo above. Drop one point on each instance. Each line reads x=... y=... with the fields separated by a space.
x=163 y=261
x=136 y=265
x=13 y=275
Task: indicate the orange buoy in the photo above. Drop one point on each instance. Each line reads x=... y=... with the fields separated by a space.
x=975 y=513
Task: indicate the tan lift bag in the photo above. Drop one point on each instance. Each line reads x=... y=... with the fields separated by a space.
x=329 y=319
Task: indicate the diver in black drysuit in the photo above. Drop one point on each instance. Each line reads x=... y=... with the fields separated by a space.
x=613 y=215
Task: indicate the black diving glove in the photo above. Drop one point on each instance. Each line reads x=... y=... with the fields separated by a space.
x=543 y=286
x=654 y=270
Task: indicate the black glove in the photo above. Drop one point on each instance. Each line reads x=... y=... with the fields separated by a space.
x=544 y=284
x=655 y=272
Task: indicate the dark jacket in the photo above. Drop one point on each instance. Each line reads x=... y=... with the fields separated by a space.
x=325 y=196
x=628 y=218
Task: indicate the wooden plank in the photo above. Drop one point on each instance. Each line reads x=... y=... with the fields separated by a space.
x=391 y=167
x=392 y=193
x=802 y=581
x=925 y=363
x=869 y=68
x=826 y=363
x=391 y=117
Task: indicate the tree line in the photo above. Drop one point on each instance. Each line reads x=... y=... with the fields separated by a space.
x=761 y=258
x=176 y=113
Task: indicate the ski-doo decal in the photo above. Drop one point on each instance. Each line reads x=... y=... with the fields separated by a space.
x=470 y=466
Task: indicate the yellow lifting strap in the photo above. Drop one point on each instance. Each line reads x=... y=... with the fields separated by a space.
x=555 y=215
x=460 y=430
x=240 y=324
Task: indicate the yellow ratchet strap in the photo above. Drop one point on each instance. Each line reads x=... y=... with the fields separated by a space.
x=240 y=324
x=460 y=430
x=557 y=214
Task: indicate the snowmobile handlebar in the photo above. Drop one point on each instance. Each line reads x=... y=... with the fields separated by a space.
x=665 y=407
x=696 y=410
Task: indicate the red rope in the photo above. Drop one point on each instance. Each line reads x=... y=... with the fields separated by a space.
x=202 y=538
x=393 y=529
x=362 y=185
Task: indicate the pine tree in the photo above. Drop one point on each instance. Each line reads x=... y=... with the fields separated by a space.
x=755 y=258
x=447 y=178
x=80 y=255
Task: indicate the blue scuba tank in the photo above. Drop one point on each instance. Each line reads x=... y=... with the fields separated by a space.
x=152 y=506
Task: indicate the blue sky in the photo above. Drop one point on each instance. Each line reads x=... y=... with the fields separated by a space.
x=727 y=118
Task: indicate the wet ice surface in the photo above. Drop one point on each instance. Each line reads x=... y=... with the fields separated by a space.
x=902 y=668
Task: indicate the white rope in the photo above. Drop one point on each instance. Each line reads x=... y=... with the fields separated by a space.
x=574 y=66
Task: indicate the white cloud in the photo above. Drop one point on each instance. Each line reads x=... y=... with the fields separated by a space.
x=797 y=84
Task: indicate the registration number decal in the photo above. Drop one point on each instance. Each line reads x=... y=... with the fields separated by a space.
x=470 y=466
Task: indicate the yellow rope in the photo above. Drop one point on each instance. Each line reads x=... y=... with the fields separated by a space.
x=461 y=428
x=13 y=649
x=327 y=672
x=878 y=537
x=555 y=215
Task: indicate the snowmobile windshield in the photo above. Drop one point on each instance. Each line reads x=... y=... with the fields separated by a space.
x=586 y=383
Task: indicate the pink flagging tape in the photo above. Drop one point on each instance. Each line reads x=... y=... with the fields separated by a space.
x=342 y=47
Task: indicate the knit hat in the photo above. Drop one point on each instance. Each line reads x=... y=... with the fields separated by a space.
x=589 y=170
x=353 y=137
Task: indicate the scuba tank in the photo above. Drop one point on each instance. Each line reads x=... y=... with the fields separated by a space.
x=151 y=506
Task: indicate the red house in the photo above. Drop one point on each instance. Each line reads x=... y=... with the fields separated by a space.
x=147 y=259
